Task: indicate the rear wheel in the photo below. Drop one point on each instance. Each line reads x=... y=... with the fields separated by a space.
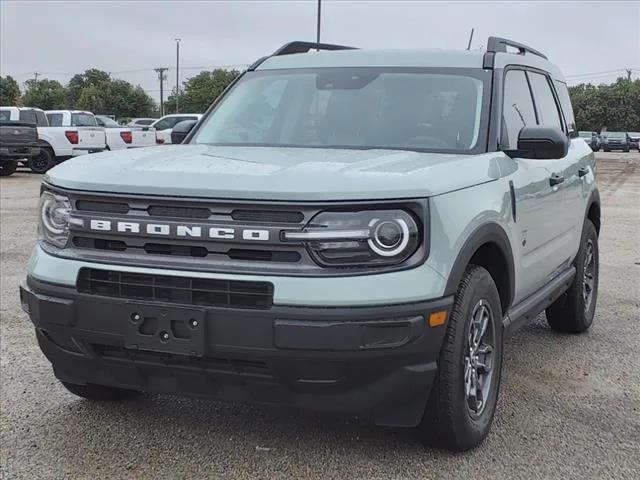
x=574 y=311
x=8 y=168
x=43 y=162
x=463 y=398
x=99 y=392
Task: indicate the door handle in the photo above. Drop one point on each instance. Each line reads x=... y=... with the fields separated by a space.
x=582 y=172
x=555 y=179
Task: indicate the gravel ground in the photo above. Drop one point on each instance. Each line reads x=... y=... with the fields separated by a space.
x=569 y=405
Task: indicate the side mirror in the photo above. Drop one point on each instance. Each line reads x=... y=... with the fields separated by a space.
x=181 y=130
x=542 y=143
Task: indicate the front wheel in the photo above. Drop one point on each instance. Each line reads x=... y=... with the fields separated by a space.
x=574 y=311
x=8 y=168
x=463 y=398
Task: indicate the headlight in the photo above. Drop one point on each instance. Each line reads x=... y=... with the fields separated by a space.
x=54 y=218
x=363 y=238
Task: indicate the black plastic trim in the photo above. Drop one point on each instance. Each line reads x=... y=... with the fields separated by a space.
x=304 y=47
x=499 y=45
x=512 y=195
x=525 y=311
x=487 y=233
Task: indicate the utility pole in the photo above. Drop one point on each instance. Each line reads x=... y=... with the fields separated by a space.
x=470 y=38
x=36 y=74
x=177 y=72
x=628 y=74
x=318 y=25
x=161 y=77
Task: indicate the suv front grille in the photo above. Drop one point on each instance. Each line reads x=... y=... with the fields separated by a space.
x=174 y=289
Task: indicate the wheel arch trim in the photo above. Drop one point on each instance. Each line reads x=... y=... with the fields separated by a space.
x=489 y=233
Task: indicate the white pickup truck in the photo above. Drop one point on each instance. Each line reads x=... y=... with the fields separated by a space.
x=119 y=137
x=164 y=125
x=59 y=138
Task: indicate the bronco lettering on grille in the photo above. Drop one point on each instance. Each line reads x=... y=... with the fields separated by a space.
x=176 y=230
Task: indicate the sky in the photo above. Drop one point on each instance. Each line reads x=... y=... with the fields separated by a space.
x=590 y=41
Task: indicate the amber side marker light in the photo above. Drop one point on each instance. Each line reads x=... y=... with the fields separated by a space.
x=437 y=318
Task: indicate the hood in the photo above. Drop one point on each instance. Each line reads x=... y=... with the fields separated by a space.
x=268 y=173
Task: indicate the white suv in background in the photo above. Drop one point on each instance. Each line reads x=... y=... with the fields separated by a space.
x=164 y=125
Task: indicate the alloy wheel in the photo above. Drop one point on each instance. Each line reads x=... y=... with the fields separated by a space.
x=478 y=359
x=588 y=275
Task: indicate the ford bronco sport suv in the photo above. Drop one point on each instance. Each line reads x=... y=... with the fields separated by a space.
x=344 y=230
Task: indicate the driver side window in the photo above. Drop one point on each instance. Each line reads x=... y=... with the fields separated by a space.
x=517 y=108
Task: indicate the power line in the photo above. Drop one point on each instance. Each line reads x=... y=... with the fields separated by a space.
x=591 y=74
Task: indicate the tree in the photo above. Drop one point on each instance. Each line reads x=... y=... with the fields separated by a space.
x=614 y=107
x=9 y=91
x=96 y=91
x=45 y=94
x=200 y=91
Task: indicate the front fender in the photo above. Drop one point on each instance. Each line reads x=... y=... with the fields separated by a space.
x=463 y=221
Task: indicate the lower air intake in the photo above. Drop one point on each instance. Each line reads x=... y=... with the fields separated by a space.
x=173 y=289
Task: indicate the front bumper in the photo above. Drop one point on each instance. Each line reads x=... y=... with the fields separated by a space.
x=374 y=362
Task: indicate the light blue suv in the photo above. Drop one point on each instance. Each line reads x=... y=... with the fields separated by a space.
x=344 y=230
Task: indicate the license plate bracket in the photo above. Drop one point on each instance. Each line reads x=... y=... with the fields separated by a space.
x=175 y=330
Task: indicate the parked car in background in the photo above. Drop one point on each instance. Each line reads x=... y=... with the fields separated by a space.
x=634 y=140
x=58 y=142
x=164 y=125
x=592 y=139
x=615 y=141
x=119 y=137
x=18 y=141
x=141 y=122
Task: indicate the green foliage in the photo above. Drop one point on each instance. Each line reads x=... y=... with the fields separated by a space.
x=200 y=91
x=45 y=94
x=614 y=107
x=9 y=91
x=96 y=91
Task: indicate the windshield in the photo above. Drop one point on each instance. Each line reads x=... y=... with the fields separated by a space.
x=83 y=120
x=615 y=135
x=350 y=108
x=106 y=121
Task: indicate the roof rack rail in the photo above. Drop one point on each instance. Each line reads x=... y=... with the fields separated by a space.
x=304 y=47
x=497 y=44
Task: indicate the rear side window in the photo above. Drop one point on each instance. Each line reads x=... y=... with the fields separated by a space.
x=28 y=116
x=517 y=110
x=144 y=122
x=41 y=119
x=165 y=123
x=548 y=113
x=55 y=119
x=567 y=109
x=83 y=120
x=5 y=115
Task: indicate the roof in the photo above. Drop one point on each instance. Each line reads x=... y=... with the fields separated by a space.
x=376 y=58
x=410 y=58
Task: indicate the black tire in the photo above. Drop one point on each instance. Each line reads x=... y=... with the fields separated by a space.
x=626 y=150
x=43 y=162
x=449 y=421
x=99 y=393
x=573 y=312
x=8 y=168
